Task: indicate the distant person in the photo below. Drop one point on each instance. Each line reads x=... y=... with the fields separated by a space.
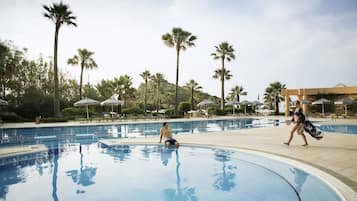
x=298 y=119
x=166 y=133
x=38 y=119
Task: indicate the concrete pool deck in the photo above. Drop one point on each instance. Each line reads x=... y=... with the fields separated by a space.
x=335 y=154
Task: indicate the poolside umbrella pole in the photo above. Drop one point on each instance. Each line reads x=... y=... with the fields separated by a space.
x=322 y=102
x=86 y=102
x=111 y=102
x=345 y=102
x=232 y=103
x=245 y=103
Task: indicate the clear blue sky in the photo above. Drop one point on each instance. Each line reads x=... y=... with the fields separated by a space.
x=302 y=43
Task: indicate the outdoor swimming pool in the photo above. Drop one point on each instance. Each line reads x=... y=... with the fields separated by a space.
x=124 y=130
x=341 y=128
x=90 y=172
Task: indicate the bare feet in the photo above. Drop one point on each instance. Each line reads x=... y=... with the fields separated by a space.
x=304 y=145
x=286 y=143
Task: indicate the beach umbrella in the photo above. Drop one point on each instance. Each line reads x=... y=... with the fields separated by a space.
x=86 y=102
x=205 y=103
x=322 y=102
x=257 y=103
x=111 y=102
x=232 y=103
x=345 y=102
x=3 y=102
x=245 y=103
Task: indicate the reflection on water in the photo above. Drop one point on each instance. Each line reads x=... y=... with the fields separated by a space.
x=224 y=179
x=180 y=193
x=299 y=178
x=83 y=176
x=119 y=152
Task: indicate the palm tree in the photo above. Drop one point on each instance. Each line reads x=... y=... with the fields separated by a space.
x=273 y=95
x=180 y=40
x=145 y=75
x=84 y=59
x=224 y=51
x=59 y=14
x=226 y=76
x=193 y=86
x=237 y=92
x=157 y=78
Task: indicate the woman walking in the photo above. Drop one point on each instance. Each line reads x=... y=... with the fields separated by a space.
x=298 y=119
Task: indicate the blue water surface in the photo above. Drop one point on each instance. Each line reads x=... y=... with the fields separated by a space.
x=92 y=172
x=124 y=130
x=340 y=128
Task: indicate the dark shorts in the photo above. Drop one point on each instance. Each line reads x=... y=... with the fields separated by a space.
x=171 y=141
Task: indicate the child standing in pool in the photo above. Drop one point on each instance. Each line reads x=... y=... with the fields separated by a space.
x=166 y=133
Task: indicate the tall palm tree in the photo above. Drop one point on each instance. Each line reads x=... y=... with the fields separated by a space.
x=226 y=76
x=180 y=40
x=59 y=14
x=273 y=95
x=237 y=92
x=85 y=60
x=145 y=75
x=157 y=78
x=224 y=51
x=193 y=86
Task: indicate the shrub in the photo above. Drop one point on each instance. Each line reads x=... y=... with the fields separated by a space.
x=133 y=110
x=229 y=110
x=169 y=111
x=184 y=107
x=175 y=116
x=54 y=119
x=11 y=117
x=215 y=111
x=71 y=111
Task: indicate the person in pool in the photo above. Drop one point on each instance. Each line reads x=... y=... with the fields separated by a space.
x=299 y=119
x=166 y=133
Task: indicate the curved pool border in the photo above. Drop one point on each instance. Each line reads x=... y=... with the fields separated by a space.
x=345 y=192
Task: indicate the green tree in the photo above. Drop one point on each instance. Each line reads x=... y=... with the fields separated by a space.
x=273 y=95
x=123 y=87
x=193 y=86
x=85 y=61
x=180 y=40
x=145 y=75
x=157 y=79
x=105 y=89
x=224 y=51
x=184 y=107
x=236 y=92
x=218 y=75
x=10 y=61
x=59 y=14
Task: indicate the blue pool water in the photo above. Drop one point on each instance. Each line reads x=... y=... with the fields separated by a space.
x=91 y=172
x=341 y=128
x=40 y=134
